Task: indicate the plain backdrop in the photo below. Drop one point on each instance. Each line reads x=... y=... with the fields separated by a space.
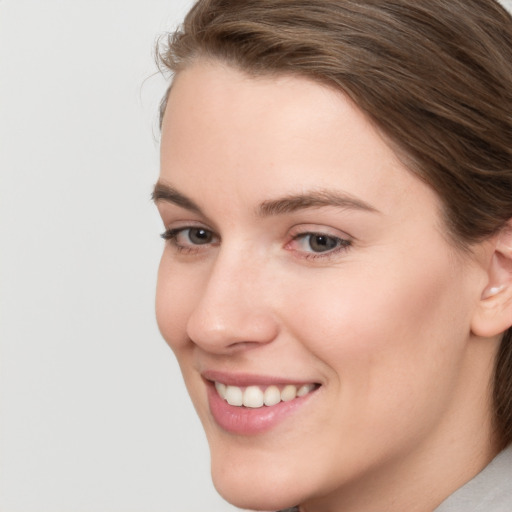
x=94 y=414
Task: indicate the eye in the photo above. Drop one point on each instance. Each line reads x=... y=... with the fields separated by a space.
x=319 y=242
x=189 y=238
x=198 y=236
x=316 y=245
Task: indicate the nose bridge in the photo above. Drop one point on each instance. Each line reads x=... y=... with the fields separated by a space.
x=234 y=308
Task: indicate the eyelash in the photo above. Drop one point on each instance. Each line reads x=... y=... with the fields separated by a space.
x=171 y=236
x=341 y=244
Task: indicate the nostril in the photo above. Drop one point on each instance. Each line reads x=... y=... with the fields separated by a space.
x=244 y=345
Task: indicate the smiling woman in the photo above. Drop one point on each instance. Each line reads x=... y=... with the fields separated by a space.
x=336 y=284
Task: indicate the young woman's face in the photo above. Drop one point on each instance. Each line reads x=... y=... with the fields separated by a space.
x=302 y=257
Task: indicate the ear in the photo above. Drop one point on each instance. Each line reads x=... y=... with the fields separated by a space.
x=494 y=312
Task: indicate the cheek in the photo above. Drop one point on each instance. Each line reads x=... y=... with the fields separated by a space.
x=391 y=344
x=176 y=294
x=381 y=332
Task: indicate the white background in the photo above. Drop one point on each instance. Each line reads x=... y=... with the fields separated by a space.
x=94 y=415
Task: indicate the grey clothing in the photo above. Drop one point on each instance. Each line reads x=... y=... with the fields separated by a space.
x=489 y=491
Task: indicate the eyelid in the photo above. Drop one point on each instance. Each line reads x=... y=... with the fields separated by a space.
x=302 y=231
x=170 y=235
x=180 y=225
x=317 y=229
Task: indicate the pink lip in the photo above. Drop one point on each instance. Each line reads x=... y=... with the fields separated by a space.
x=246 y=379
x=244 y=420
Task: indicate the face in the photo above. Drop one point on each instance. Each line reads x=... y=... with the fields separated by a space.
x=308 y=289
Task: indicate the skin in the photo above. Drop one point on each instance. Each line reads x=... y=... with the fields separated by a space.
x=384 y=323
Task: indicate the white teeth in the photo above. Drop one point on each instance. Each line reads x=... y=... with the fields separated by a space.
x=304 y=390
x=234 y=395
x=221 y=389
x=254 y=397
x=289 y=393
x=272 y=396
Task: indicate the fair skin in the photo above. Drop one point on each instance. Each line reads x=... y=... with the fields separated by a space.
x=303 y=252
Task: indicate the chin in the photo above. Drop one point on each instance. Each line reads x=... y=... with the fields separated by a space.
x=255 y=481
x=249 y=495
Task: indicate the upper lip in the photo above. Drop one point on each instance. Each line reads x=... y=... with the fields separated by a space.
x=247 y=379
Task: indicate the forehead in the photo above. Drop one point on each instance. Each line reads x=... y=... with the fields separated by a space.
x=261 y=136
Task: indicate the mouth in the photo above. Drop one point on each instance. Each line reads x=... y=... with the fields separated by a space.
x=248 y=405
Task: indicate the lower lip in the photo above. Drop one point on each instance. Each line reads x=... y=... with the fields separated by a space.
x=248 y=421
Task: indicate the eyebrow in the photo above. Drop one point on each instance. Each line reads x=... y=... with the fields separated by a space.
x=271 y=207
x=313 y=199
x=163 y=192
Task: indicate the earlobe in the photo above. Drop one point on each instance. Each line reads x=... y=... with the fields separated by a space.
x=494 y=313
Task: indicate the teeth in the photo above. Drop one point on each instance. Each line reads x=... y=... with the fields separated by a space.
x=254 y=397
x=304 y=390
x=289 y=393
x=272 y=396
x=234 y=395
x=221 y=389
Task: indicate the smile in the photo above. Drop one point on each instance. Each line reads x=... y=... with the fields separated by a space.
x=255 y=397
x=249 y=404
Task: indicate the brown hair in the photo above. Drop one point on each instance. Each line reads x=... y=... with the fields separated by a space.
x=435 y=76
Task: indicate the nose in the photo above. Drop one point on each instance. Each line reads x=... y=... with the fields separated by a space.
x=234 y=311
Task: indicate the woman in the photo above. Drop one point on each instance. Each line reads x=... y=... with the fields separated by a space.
x=336 y=190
